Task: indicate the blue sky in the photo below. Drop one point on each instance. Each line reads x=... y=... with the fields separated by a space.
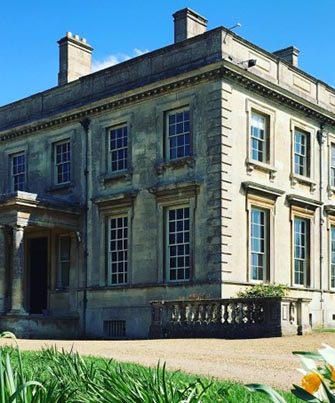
x=29 y=30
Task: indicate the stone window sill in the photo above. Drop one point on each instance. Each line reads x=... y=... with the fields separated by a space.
x=175 y=164
x=115 y=177
x=304 y=180
x=60 y=187
x=261 y=166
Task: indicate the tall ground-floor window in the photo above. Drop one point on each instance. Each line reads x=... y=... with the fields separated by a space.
x=178 y=243
x=301 y=251
x=332 y=256
x=259 y=244
x=64 y=260
x=118 y=250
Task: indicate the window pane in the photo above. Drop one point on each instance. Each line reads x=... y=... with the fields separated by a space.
x=18 y=172
x=178 y=134
x=259 y=230
x=301 y=251
x=118 y=250
x=64 y=259
x=301 y=153
x=332 y=165
x=63 y=162
x=118 y=150
x=259 y=137
x=178 y=243
x=332 y=258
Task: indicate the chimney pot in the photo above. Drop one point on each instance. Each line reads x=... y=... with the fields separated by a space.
x=188 y=23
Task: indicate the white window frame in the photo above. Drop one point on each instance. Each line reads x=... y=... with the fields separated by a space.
x=170 y=199
x=57 y=165
x=123 y=250
x=186 y=268
x=115 y=150
x=304 y=167
x=267 y=165
x=24 y=173
x=168 y=114
x=332 y=256
x=263 y=143
x=64 y=261
x=265 y=253
x=307 y=269
x=308 y=178
x=260 y=202
x=332 y=165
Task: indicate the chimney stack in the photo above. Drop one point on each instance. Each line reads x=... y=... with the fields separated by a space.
x=188 y=23
x=75 y=58
x=289 y=54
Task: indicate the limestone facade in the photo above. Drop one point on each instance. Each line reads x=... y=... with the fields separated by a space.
x=188 y=171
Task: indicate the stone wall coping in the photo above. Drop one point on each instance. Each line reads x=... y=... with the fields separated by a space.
x=220 y=300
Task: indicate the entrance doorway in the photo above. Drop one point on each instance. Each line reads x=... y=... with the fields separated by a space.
x=38 y=274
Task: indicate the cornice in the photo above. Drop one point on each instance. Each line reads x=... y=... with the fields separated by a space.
x=254 y=187
x=224 y=70
x=114 y=104
x=303 y=106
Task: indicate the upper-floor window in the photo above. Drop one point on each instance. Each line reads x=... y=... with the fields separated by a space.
x=118 y=250
x=64 y=261
x=178 y=134
x=118 y=148
x=18 y=171
x=301 y=153
x=332 y=165
x=62 y=152
x=260 y=138
x=301 y=244
x=259 y=244
x=178 y=243
x=332 y=256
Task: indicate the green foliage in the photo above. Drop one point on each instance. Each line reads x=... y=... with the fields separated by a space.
x=263 y=290
x=318 y=383
x=56 y=376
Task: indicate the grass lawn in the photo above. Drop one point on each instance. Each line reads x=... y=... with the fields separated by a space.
x=66 y=377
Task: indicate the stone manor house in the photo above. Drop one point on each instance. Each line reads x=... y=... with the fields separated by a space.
x=194 y=170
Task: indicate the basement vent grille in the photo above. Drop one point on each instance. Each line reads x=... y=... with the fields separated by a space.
x=115 y=329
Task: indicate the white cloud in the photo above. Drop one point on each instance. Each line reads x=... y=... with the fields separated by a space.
x=113 y=59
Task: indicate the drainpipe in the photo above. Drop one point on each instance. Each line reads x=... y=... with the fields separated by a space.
x=321 y=136
x=85 y=123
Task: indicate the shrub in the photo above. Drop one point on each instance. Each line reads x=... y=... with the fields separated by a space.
x=263 y=290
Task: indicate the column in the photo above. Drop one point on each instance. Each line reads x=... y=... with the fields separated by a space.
x=17 y=272
x=3 y=251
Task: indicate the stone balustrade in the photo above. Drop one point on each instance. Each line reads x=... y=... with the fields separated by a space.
x=229 y=318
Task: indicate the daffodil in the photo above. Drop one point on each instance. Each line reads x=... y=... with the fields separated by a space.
x=332 y=373
x=311 y=382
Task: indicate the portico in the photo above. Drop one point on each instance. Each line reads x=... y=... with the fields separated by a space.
x=29 y=261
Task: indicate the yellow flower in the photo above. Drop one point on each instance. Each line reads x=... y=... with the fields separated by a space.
x=332 y=373
x=311 y=382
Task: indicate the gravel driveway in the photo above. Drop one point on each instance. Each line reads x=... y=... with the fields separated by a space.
x=267 y=361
